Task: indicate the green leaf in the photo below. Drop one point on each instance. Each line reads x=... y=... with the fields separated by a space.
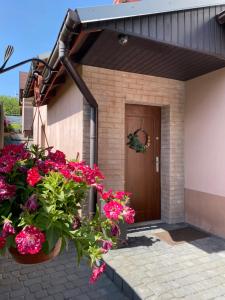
x=64 y=244
x=5 y=208
x=45 y=247
x=52 y=236
x=10 y=241
x=3 y=251
x=42 y=221
x=79 y=249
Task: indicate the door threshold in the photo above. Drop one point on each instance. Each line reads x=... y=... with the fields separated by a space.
x=146 y=223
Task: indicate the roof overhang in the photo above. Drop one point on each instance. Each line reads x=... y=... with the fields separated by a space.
x=144 y=56
x=221 y=17
x=97 y=45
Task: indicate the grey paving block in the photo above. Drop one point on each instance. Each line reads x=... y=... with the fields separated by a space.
x=40 y=294
x=51 y=281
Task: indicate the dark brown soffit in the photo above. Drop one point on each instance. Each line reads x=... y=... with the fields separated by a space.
x=148 y=57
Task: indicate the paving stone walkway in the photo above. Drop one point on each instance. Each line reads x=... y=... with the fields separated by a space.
x=151 y=269
x=59 y=279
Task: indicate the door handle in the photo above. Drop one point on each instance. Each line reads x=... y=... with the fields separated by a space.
x=157 y=164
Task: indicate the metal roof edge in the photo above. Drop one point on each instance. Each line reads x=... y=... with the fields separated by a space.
x=140 y=8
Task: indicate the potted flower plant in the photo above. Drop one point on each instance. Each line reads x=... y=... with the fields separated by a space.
x=41 y=195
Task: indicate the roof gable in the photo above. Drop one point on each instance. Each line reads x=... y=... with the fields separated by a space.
x=195 y=29
x=142 y=8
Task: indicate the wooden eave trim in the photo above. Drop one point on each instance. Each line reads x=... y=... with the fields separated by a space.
x=221 y=18
x=76 y=46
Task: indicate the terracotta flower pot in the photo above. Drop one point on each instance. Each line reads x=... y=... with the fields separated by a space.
x=40 y=257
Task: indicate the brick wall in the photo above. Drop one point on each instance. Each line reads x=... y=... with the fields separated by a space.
x=112 y=89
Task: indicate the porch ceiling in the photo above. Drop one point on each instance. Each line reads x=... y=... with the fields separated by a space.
x=145 y=56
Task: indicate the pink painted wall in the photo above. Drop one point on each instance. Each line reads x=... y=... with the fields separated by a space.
x=205 y=133
x=37 y=131
x=205 y=152
x=63 y=119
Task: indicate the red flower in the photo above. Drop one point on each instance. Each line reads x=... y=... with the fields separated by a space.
x=121 y=195
x=33 y=176
x=107 y=196
x=7 y=191
x=29 y=240
x=128 y=215
x=113 y=210
x=2 y=242
x=96 y=272
x=57 y=156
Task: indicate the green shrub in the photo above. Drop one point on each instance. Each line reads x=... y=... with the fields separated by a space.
x=10 y=105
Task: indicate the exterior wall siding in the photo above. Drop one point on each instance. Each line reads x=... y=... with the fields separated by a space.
x=27 y=116
x=112 y=90
x=38 y=137
x=63 y=121
x=196 y=29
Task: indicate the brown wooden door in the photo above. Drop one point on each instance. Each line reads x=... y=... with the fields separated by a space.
x=142 y=173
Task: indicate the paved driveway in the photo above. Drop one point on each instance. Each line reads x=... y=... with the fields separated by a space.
x=55 y=280
x=151 y=269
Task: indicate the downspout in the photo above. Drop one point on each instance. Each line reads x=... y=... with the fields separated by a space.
x=70 y=68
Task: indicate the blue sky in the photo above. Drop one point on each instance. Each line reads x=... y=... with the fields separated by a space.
x=31 y=26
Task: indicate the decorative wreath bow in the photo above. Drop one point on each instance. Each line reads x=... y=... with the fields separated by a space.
x=135 y=144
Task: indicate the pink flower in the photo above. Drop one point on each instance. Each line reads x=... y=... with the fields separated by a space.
x=80 y=172
x=115 y=230
x=128 y=215
x=31 y=204
x=99 y=187
x=2 y=242
x=29 y=240
x=121 y=195
x=49 y=165
x=8 y=228
x=76 y=223
x=106 y=246
x=33 y=176
x=7 y=191
x=107 y=195
x=7 y=163
x=113 y=210
x=96 y=273
x=42 y=166
x=18 y=152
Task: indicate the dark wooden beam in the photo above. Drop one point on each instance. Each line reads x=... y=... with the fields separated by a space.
x=221 y=18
